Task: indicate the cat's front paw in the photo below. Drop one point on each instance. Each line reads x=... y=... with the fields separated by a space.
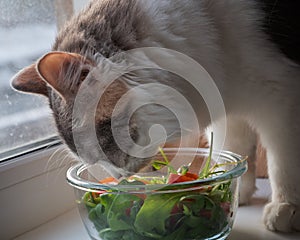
x=282 y=217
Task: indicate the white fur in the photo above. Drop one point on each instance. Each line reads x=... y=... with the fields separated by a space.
x=258 y=85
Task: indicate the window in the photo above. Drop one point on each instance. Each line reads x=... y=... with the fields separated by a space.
x=27 y=29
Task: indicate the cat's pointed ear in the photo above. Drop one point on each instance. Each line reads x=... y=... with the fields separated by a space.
x=28 y=80
x=63 y=71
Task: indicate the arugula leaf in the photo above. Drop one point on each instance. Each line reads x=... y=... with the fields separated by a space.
x=157 y=164
x=155 y=211
x=133 y=183
x=117 y=216
x=131 y=235
x=109 y=234
x=194 y=203
x=178 y=234
x=205 y=171
x=164 y=155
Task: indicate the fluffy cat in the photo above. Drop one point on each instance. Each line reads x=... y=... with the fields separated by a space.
x=255 y=72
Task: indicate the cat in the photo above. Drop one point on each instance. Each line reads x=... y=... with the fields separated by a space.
x=250 y=54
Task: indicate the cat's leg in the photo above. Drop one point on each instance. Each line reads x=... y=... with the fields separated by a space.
x=283 y=153
x=241 y=139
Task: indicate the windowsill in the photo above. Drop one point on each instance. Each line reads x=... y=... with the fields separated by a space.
x=248 y=224
x=33 y=189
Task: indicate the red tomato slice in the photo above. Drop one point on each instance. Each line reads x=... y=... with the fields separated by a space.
x=177 y=178
x=109 y=180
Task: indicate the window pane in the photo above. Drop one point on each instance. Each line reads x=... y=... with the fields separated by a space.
x=27 y=30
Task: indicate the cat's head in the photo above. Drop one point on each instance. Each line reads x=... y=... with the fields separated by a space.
x=59 y=76
x=106 y=111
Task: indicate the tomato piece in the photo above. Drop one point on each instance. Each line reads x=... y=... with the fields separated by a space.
x=95 y=195
x=139 y=179
x=127 y=212
x=177 y=178
x=109 y=180
x=226 y=206
x=191 y=175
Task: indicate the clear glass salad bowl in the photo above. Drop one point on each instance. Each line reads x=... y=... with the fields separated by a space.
x=163 y=204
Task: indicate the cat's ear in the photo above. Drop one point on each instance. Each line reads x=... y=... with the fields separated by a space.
x=28 y=80
x=63 y=71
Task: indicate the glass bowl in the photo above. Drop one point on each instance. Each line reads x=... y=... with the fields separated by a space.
x=132 y=210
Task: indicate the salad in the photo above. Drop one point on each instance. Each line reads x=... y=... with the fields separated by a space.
x=190 y=213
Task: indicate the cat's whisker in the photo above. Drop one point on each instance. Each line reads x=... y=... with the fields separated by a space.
x=67 y=161
x=51 y=158
x=61 y=164
x=53 y=161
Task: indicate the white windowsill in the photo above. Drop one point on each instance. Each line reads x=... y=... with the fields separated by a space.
x=33 y=190
x=248 y=224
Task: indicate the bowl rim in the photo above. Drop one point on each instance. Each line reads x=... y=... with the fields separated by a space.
x=76 y=181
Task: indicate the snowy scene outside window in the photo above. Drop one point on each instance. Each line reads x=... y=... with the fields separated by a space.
x=27 y=30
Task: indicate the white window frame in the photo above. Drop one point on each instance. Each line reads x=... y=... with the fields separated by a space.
x=33 y=187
